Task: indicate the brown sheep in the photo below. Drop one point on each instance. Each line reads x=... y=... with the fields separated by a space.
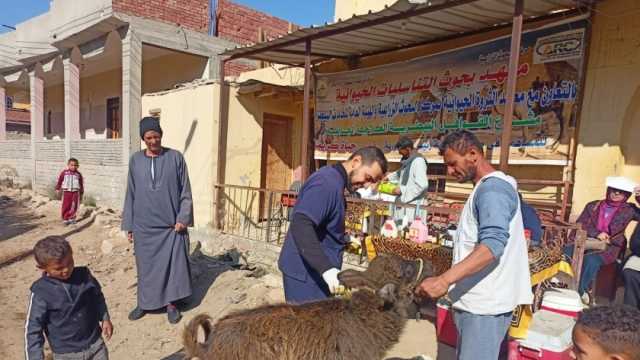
x=362 y=326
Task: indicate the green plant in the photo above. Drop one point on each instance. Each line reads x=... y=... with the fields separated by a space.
x=52 y=194
x=27 y=186
x=88 y=200
x=7 y=183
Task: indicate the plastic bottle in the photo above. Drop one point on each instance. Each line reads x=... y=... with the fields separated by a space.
x=418 y=231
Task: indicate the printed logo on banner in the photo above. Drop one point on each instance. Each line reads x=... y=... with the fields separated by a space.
x=322 y=89
x=558 y=47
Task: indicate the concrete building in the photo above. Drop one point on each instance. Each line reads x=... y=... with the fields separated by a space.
x=80 y=71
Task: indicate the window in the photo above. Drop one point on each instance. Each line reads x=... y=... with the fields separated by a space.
x=114 y=123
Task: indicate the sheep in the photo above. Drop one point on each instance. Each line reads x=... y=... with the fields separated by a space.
x=363 y=325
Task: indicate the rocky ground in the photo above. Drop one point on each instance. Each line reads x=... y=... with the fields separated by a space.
x=222 y=282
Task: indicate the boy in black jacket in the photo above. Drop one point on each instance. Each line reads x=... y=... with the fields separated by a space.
x=66 y=305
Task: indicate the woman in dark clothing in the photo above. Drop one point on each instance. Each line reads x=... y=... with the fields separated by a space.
x=606 y=220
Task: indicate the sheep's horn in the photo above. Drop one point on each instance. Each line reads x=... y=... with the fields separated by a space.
x=420 y=268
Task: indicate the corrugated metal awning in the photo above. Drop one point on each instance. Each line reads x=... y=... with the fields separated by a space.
x=403 y=24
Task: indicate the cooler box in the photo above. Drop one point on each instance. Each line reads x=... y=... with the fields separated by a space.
x=562 y=301
x=445 y=327
x=548 y=338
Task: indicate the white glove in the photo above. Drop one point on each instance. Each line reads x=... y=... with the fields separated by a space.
x=331 y=278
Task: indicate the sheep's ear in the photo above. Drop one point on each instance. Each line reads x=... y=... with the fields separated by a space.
x=353 y=279
x=388 y=293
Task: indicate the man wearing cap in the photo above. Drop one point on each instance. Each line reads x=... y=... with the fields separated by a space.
x=411 y=177
x=157 y=211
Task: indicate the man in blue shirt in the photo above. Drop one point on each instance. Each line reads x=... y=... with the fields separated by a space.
x=312 y=253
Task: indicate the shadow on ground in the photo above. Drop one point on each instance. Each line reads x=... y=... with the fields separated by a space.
x=175 y=356
x=15 y=219
x=25 y=254
x=205 y=270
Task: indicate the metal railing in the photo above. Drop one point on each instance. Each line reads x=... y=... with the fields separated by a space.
x=254 y=213
x=264 y=214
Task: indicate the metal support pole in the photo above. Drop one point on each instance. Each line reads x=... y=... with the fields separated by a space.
x=269 y=215
x=514 y=57
x=306 y=120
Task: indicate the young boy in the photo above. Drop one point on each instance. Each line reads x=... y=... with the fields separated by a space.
x=66 y=305
x=71 y=184
x=607 y=333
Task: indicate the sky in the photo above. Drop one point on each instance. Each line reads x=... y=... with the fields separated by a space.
x=301 y=12
x=14 y=12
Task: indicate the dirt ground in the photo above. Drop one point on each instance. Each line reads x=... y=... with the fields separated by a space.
x=219 y=284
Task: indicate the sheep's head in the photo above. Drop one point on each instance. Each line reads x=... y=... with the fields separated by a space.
x=392 y=278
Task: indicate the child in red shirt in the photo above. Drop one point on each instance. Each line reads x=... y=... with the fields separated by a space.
x=71 y=184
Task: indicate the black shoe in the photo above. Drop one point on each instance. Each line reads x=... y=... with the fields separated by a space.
x=173 y=314
x=136 y=314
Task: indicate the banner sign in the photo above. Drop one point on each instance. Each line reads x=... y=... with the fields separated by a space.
x=428 y=97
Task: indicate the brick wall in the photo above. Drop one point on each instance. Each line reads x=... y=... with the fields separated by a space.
x=240 y=24
x=47 y=173
x=50 y=160
x=15 y=149
x=235 y=68
x=15 y=161
x=97 y=152
x=106 y=184
x=190 y=14
x=50 y=150
x=101 y=166
x=102 y=170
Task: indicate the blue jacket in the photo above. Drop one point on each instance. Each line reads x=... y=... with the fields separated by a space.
x=532 y=222
x=67 y=312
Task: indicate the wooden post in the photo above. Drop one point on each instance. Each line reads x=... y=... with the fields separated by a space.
x=261 y=38
x=566 y=190
x=3 y=111
x=578 y=256
x=573 y=150
x=223 y=129
x=514 y=57
x=306 y=120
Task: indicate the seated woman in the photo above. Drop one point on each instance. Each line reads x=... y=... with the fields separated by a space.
x=606 y=221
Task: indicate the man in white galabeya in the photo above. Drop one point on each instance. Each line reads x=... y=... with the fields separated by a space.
x=489 y=277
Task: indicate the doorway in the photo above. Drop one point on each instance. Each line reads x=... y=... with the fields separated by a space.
x=277 y=158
